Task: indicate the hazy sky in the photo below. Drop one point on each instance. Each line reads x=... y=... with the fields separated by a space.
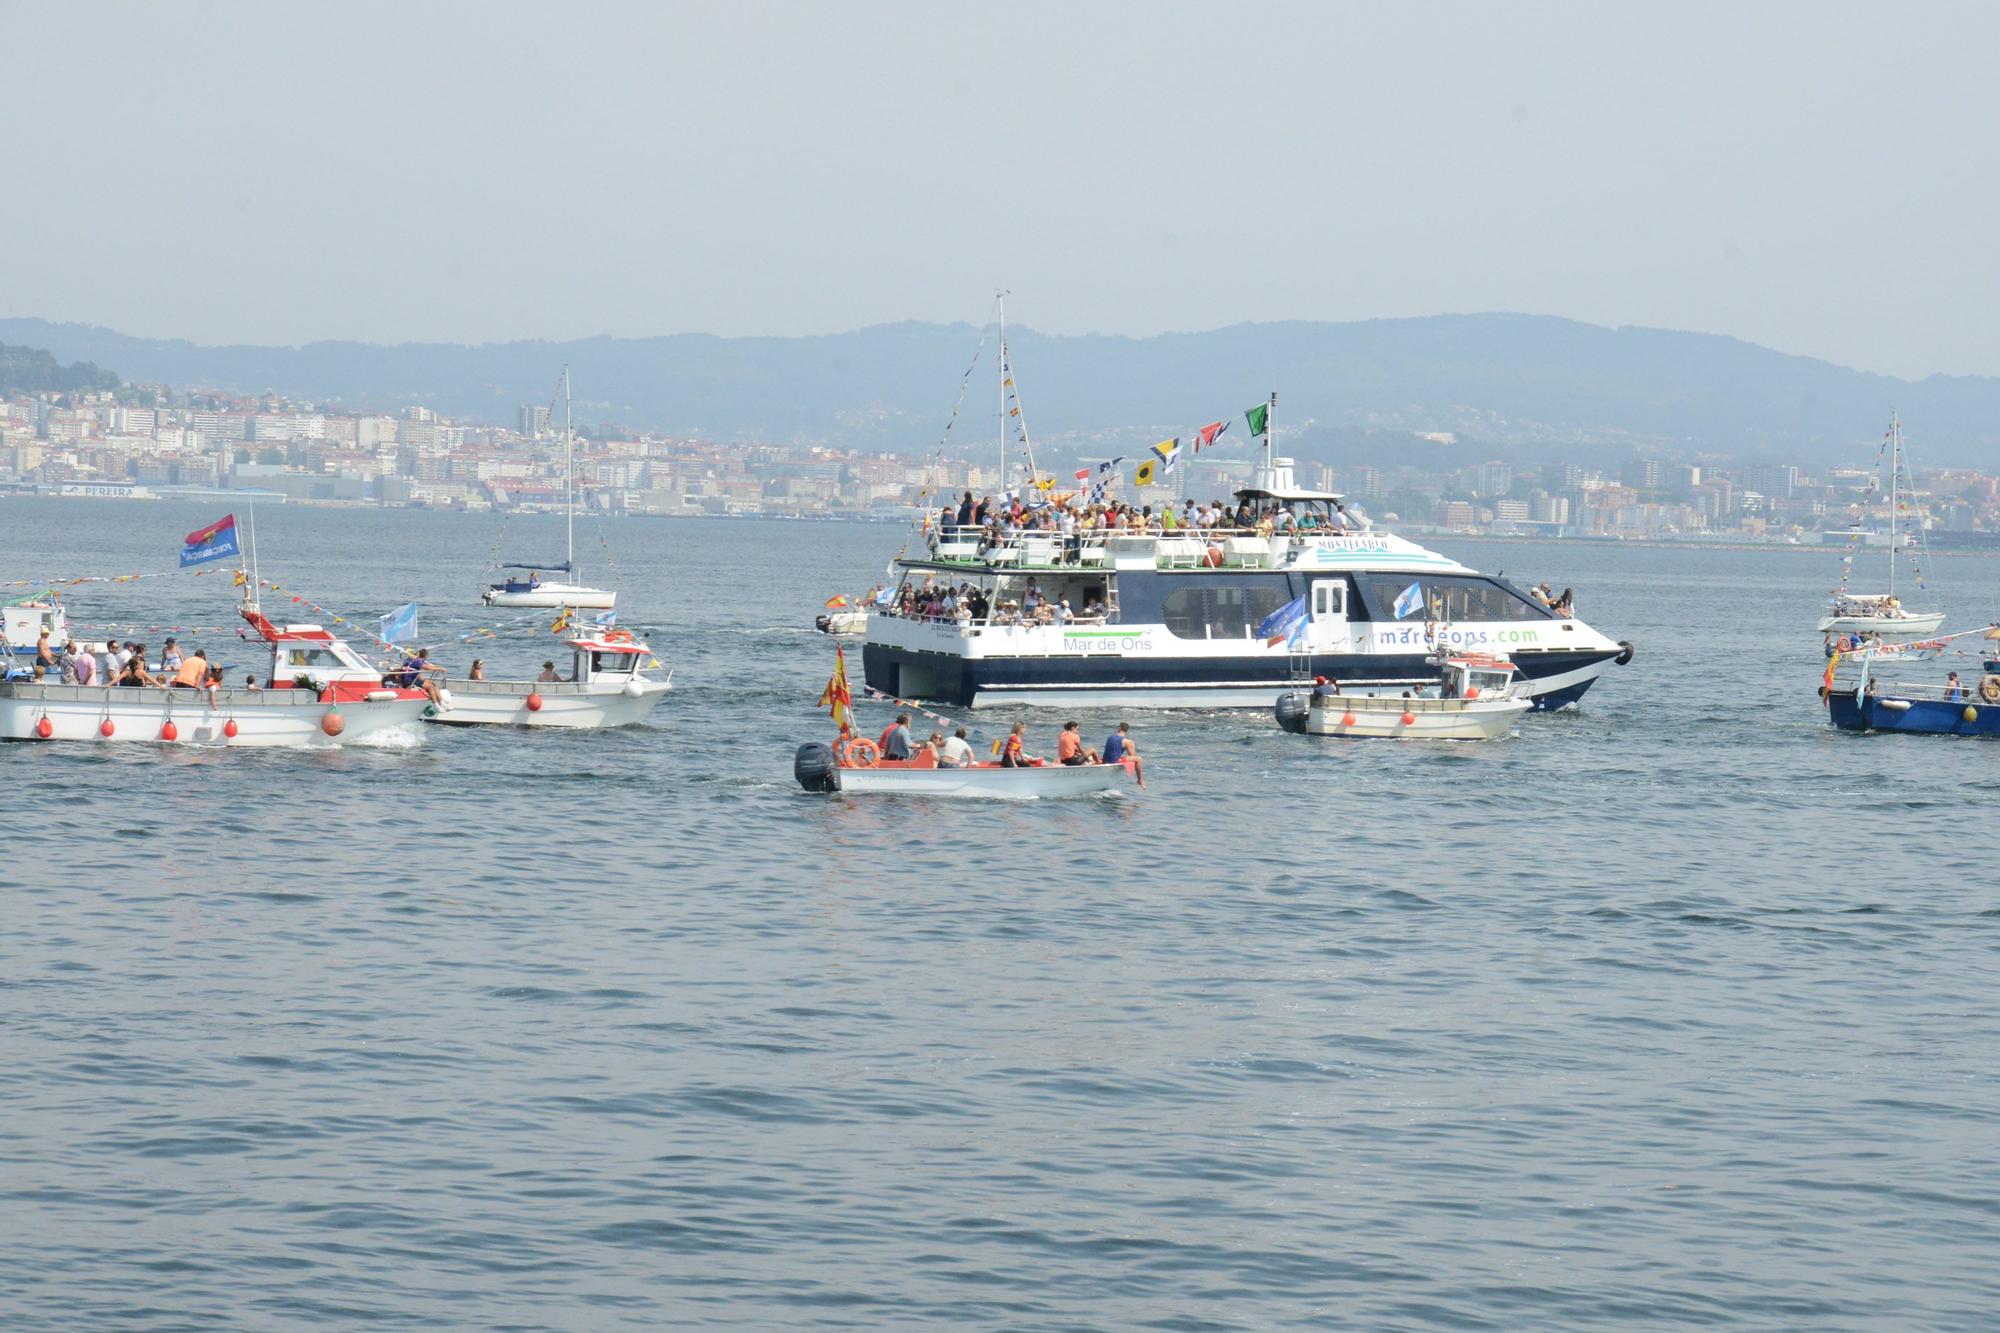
x=1818 y=178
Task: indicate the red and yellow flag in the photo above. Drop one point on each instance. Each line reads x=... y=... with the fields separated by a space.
x=835 y=698
x=835 y=602
x=1831 y=664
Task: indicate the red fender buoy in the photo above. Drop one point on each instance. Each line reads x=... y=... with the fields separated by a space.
x=1409 y=719
x=169 y=732
x=229 y=728
x=105 y=728
x=1472 y=691
x=45 y=728
x=1347 y=719
x=333 y=723
x=534 y=703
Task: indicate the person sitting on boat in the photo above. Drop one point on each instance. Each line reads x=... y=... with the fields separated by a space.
x=1118 y=747
x=534 y=579
x=1325 y=686
x=418 y=675
x=135 y=673
x=1070 y=749
x=548 y=676
x=250 y=683
x=478 y=671
x=170 y=656
x=1013 y=752
x=955 y=752
x=1954 y=693
x=928 y=754
x=895 y=739
x=1565 y=605
x=192 y=673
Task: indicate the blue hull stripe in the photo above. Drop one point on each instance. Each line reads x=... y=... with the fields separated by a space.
x=1927 y=717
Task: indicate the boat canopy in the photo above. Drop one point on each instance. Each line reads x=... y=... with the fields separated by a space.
x=563 y=565
x=1263 y=493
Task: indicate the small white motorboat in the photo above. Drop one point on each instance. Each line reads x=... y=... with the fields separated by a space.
x=607 y=687
x=854 y=766
x=851 y=620
x=1474 y=700
x=531 y=592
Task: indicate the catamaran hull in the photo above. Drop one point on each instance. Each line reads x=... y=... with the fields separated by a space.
x=551 y=596
x=1919 y=624
x=579 y=707
x=1549 y=680
x=263 y=718
x=1929 y=717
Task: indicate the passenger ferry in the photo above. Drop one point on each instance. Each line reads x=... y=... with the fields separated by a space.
x=1178 y=615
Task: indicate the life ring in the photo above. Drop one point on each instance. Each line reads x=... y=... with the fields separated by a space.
x=858 y=752
x=1989 y=688
x=619 y=636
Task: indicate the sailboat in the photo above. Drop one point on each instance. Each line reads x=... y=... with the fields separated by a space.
x=534 y=590
x=1883 y=612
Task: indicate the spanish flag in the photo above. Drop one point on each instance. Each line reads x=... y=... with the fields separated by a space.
x=1832 y=663
x=835 y=698
x=835 y=602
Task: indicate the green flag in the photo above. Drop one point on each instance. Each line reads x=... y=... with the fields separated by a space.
x=1258 y=417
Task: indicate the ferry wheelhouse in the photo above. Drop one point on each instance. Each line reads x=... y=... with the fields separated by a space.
x=1172 y=619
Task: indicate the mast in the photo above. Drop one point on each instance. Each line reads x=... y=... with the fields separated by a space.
x=1895 y=469
x=569 y=486
x=1270 y=429
x=1000 y=303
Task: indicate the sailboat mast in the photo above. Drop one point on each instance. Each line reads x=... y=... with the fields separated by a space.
x=1270 y=429
x=569 y=485
x=1000 y=303
x=1895 y=469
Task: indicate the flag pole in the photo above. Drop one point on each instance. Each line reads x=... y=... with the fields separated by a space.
x=1270 y=429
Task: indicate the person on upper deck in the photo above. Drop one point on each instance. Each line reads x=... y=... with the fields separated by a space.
x=965 y=507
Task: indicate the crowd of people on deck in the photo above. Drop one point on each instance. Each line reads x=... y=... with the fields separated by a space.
x=1563 y=604
x=969 y=604
x=955 y=751
x=994 y=525
x=125 y=663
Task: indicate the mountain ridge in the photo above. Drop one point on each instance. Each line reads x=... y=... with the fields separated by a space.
x=1508 y=379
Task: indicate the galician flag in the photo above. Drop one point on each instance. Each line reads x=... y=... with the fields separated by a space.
x=1259 y=418
x=214 y=542
x=1410 y=601
x=400 y=625
x=835 y=698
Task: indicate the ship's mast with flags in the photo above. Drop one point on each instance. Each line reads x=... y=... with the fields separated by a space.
x=1010 y=406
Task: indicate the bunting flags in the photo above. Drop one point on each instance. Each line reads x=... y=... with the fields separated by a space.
x=1146 y=473
x=1209 y=434
x=1259 y=418
x=1169 y=454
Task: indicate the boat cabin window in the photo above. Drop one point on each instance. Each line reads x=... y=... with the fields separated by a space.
x=613 y=664
x=1489 y=682
x=1214 y=609
x=1329 y=600
x=1452 y=597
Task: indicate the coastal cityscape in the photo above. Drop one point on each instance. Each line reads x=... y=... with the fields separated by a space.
x=143 y=442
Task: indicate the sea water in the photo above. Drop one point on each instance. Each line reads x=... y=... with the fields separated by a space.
x=1676 y=1008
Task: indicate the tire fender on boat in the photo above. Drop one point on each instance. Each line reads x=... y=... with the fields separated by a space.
x=1625 y=652
x=1989 y=688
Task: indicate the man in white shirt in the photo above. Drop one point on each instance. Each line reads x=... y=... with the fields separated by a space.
x=955 y=753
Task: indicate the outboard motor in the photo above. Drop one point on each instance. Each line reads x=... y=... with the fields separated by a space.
x=814 y=767
x=823 y=623
x=1292 y=709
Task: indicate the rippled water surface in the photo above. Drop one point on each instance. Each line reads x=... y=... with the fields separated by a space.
x=1678 y=1008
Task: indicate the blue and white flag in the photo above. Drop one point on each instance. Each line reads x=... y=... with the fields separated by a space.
x=1286 y=624
x=608 y=619
x=400 y=625
x=1411 y=601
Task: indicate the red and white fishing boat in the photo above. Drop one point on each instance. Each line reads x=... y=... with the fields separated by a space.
x=607 y=686
x=318 y=691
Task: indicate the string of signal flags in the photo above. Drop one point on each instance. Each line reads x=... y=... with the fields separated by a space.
x=1160 y=460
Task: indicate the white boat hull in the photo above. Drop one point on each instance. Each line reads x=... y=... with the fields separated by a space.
x=1047 y=782
x=553 y=595
x=1390 y=718
x=504 y=703
x=1917 y=623
x=263 y=718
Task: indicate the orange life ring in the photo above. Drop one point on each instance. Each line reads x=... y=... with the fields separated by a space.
x=619 y=636
x=858 y=752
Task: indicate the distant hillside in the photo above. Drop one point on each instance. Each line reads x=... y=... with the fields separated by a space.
x=1518 y=383
x=31 y=370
